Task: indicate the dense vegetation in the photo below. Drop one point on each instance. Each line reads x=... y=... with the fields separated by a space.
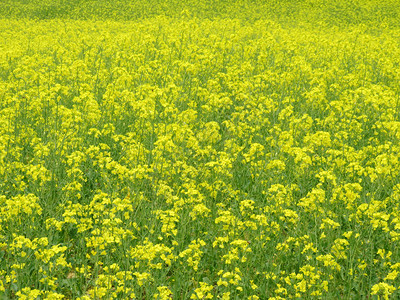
x=315 y=12
x=188 y=150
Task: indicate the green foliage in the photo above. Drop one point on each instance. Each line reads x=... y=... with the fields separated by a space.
x=287 y=12
x=199 y=149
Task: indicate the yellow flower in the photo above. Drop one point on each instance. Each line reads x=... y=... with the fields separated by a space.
x=382 y=289
x=203 y=292
x=164 y=293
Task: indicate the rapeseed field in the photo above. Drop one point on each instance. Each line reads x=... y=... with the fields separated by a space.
x=199 y=149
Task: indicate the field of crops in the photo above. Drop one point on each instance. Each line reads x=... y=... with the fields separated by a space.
x=199 y=149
